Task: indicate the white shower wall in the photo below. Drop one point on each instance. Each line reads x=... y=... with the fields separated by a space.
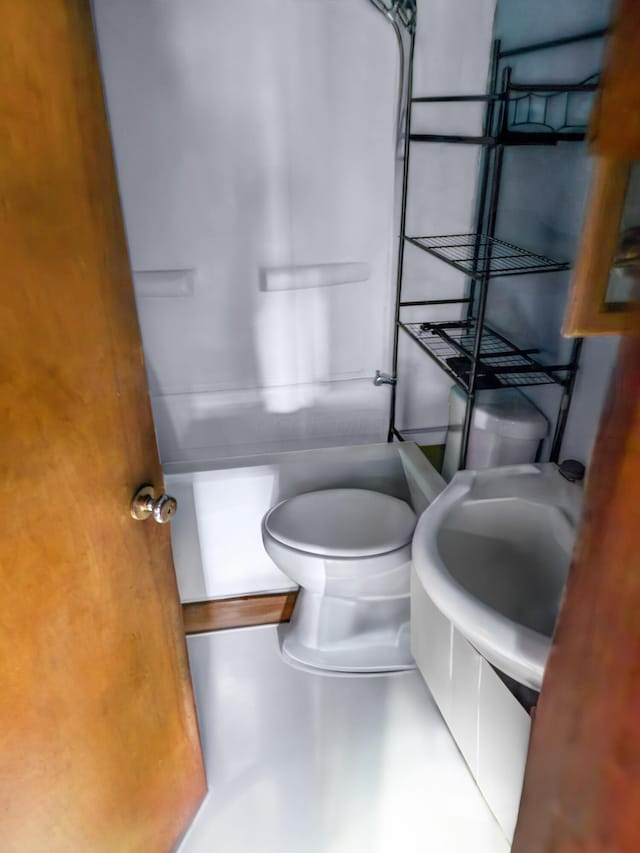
x=250 y=135
x=261 y=133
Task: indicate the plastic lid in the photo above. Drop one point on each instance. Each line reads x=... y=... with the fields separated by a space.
x=342 y=523
x=504 y=411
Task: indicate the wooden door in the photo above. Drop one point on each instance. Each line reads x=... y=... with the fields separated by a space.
x=99 y=746
x=582 y=784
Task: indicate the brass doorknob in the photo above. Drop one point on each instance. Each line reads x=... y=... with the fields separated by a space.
x=145 y=504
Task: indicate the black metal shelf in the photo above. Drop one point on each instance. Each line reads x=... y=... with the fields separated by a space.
x=509 y=138
x=472 y=354
x=479 y=256
x=531 y=114
x=501 y=363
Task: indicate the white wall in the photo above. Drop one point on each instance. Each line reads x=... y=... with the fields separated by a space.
x=542 y=204
x=248 y=135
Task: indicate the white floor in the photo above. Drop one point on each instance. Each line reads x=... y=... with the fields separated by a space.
x=304 y=763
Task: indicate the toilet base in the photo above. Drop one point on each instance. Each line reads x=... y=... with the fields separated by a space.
x=348 y=636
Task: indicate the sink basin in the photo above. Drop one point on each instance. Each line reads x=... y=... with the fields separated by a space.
x=493 y=553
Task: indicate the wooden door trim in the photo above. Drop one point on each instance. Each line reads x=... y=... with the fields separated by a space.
x=242 y=611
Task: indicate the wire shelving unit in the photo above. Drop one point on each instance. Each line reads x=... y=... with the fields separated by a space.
x=471 y=353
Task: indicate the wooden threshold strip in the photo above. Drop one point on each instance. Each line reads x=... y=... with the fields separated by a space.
x=240 y=612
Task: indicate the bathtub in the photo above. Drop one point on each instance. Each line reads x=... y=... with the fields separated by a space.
x=216 y=538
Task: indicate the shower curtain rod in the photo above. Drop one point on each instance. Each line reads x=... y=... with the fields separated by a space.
x=402 y=10
x=402 y=14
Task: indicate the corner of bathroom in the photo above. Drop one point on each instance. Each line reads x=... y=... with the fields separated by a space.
x=377 y=439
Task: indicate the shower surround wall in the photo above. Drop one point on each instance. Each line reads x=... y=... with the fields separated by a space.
x=261 y=134
x=249 y=136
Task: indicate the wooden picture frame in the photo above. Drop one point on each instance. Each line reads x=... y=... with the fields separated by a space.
x=588 y=311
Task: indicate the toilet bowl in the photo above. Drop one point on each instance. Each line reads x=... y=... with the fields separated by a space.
x=349 y=550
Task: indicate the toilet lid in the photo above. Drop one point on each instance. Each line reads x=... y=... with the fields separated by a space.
x=342 y=523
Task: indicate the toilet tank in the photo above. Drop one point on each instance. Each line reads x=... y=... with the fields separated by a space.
x=506 y=429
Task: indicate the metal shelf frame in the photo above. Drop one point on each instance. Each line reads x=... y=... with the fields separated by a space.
x=501 y=363
x=478 y=254
x=472 y=354
x=530 y=114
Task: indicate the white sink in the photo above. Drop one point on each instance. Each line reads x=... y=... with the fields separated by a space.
x=493 y=552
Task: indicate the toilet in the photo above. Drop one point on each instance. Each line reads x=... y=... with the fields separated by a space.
x=350 y=552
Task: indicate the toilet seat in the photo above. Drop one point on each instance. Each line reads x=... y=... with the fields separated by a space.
x=342 y=523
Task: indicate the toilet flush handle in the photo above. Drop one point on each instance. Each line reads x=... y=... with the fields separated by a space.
x=145 y=505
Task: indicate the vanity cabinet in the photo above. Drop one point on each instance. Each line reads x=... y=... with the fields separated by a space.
x=489 y=725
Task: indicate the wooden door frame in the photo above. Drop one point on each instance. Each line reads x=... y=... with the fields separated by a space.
x=582 y=784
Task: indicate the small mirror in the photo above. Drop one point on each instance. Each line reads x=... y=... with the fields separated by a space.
x=605 y=290
x=624 y=279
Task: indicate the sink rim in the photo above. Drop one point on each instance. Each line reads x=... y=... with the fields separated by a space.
x=514 y=648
